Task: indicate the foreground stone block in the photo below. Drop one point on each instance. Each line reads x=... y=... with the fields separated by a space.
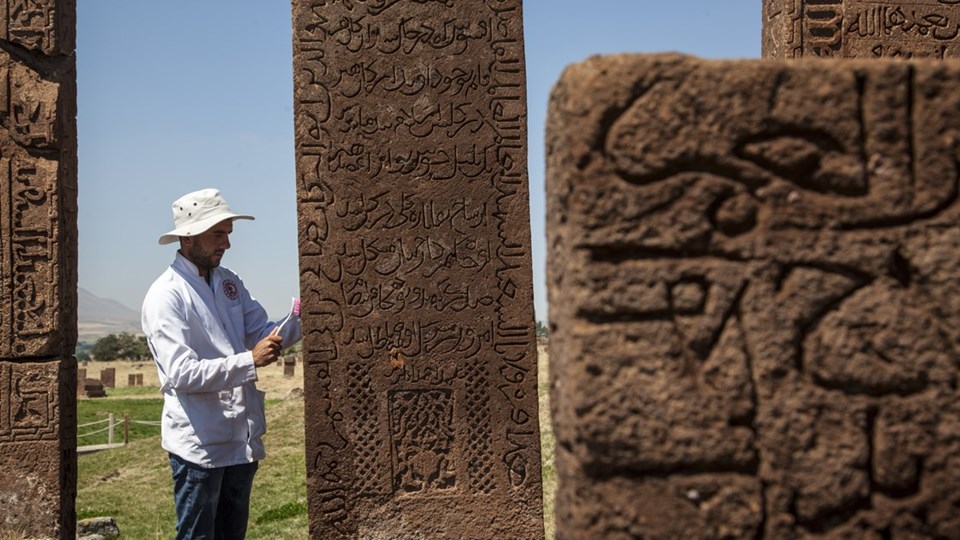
x=99 y=527
x=752 y=280
x=419 y=350
x=861 y=28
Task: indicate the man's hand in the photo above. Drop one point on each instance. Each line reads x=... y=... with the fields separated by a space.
x=267 y=351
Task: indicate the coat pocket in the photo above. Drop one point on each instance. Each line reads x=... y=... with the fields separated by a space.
x=205 y=413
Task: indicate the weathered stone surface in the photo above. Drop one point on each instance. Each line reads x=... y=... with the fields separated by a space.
x=38 y=196
x=103 y=528
x=38 y=448
x=861 y=28
x=45 y=26
x=38 y=270
x=419 y=348
x=753 y=271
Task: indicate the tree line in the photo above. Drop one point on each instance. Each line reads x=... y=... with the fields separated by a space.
x=122 y=346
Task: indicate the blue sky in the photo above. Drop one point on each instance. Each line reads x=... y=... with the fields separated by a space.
x=180 y=95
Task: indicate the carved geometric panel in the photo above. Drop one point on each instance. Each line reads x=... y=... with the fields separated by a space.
x=419 y=346
x=29 y=402
x=46 y=26
x=422 y=441
x=861 y=28
x=38 y=448
x=752 y=286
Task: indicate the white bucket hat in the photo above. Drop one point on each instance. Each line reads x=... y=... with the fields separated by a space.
x=196 y=212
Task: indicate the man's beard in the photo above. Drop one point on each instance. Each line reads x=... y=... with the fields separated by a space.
x=201 y=259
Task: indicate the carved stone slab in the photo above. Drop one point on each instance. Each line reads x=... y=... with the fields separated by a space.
x=38 y=202
x=108 y=376
x=38 y=268
x=419 y=347
x=861 y=28
x=752 y=276
x=38 y=448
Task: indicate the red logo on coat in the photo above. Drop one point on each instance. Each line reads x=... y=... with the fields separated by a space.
x=230 y=289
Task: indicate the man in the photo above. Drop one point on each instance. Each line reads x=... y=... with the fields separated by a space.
x=209 y=337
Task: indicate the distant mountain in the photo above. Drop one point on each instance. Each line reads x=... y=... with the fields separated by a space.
x=98 y=317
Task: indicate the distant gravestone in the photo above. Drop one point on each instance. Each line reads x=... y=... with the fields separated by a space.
x=861 y=28
x=93 y=388
x=289 y=366
x=753 y=276
x=419 y=348
x=108 y=377
x=38 y=269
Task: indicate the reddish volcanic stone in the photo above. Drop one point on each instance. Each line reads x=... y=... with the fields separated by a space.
x=753 y=271
x=419 y=340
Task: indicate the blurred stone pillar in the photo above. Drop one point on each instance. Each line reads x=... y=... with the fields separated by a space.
x=38 y=268
x=753 y=278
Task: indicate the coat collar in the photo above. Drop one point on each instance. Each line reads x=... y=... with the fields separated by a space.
x=205 y=300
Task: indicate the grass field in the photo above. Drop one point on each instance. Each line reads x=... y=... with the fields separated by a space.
x=133 y=483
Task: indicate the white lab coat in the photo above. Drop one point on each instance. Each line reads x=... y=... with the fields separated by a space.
x=201 y=336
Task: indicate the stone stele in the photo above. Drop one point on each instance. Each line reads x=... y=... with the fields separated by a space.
x=861 y=28
x=753 y=278
x=419 y=354
x=38 y=268
x=108 y=377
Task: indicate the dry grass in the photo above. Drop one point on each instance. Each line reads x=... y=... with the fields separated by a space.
x=133 y=484
x=547 y=442
x=271 y=379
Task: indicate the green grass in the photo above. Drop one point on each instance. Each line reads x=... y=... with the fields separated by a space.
x=547 y=448
x=133 y=483
x=142 y=409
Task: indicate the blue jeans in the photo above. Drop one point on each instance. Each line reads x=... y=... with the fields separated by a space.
x=212 y=504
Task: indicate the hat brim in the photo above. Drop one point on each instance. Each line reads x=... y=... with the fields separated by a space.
x=199 y=227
